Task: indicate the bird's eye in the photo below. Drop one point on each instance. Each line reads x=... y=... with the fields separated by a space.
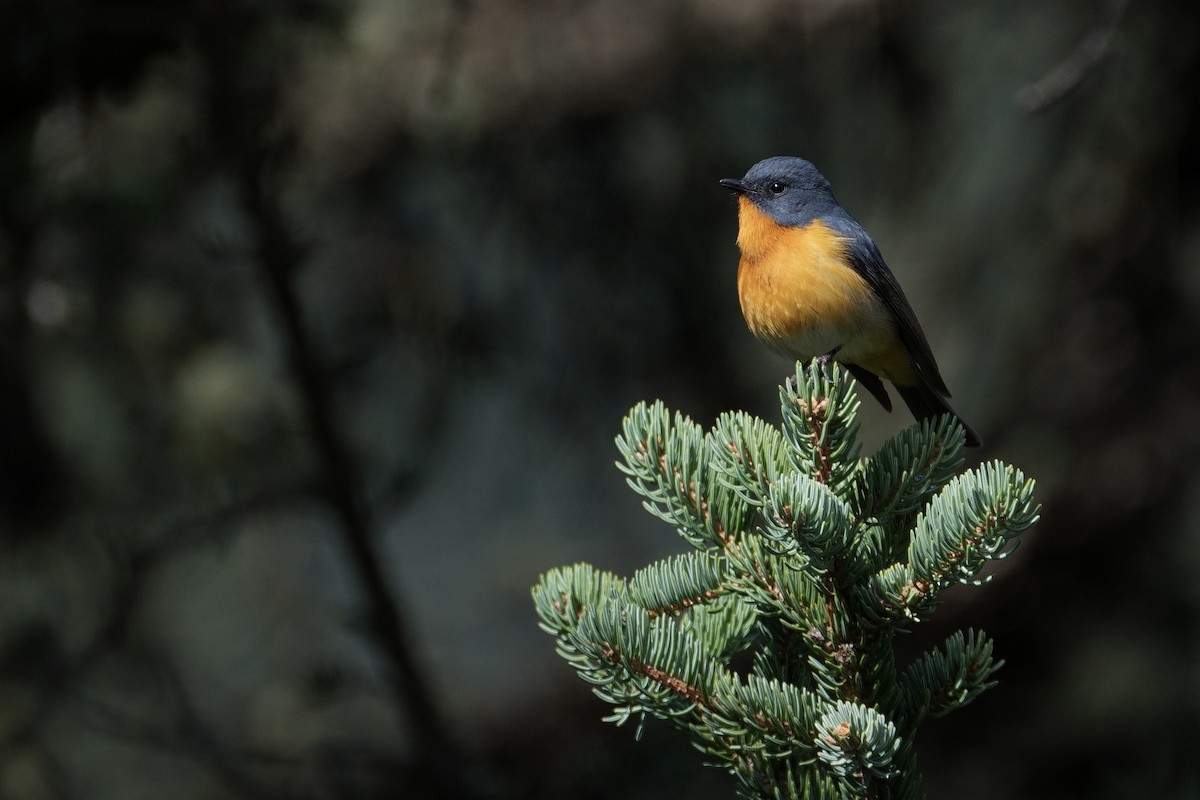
x=776 y=187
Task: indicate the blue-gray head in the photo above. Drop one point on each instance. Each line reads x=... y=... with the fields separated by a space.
x=789 y=189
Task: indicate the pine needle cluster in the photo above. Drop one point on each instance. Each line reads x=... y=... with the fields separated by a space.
x=806 y=561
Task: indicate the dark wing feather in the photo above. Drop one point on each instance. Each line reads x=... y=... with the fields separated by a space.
x=867 y=260
x=871 y=382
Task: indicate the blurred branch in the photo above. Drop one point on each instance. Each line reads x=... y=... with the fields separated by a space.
x=278 y=257
x=130 y=574
x=187 y=735
x=241 y=118
x=1036 y=97
x=453 y=42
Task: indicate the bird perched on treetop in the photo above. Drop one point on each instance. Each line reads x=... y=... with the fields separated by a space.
x=812 y=284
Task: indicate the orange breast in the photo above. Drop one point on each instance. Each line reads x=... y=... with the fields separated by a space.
x=800 y=297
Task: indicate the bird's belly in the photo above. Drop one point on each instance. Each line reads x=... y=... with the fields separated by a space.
x=863 y=340
x=803 y=301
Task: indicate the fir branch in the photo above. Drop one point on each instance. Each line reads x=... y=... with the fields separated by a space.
x=750 y=455
x=562 y=595
x=858 y=743
x=844 y=555
x=776 y=585
x=778 y=717
x=661 y=462
x=642 y=665
x=820 y=422
x=803 y=602
x=759 y=776
x=895 y=483
x=909 y=469
x=669 y=462
x=675 y=584
x=833 y=662
x=805 y=518
x=970 y=522
x=724 y=627
x=948 y=678
x=782 y=654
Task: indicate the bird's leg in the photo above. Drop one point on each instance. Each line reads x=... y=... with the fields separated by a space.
x=823 y=361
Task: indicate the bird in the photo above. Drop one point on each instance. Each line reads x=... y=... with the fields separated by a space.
x=812 y=284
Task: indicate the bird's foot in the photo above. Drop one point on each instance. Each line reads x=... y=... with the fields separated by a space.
x=823 y=361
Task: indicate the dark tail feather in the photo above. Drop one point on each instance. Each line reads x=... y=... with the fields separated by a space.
x=924 y=403
x=870 y=381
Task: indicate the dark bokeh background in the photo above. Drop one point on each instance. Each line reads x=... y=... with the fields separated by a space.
x=318 y=317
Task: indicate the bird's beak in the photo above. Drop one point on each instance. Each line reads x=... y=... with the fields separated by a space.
x=735 y=184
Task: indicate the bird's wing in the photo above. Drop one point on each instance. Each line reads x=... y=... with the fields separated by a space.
x=871 y=382
x=867 y=260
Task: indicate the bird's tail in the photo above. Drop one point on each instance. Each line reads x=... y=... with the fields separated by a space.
x=925 y=403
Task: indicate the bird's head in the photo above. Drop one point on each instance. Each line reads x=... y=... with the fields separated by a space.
x=789 y=189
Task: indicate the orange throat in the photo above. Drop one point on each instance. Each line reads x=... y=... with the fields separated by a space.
x=758 y=234
x=800 y=294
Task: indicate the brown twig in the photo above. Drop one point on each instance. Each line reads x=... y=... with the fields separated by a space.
x=1068 y=74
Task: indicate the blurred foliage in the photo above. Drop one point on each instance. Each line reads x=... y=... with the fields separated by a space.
x=496 y=226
